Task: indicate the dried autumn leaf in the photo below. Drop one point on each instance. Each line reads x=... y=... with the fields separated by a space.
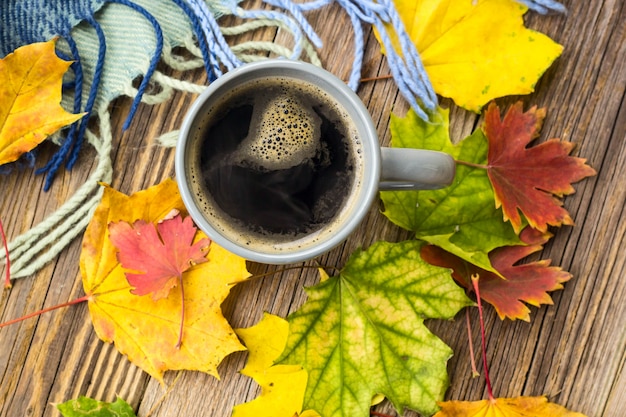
x=529 y=283
x=159 y=254
x=505 y=407
x=362 y=333
x=477 y=50
x=141 y=328
x=530 y=179
x=30 y=97
x=159 y=257
x=461 y=218
x=84 y=406
x=282 y=386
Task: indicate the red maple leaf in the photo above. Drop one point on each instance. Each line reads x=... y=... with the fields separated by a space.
x=157 y=255
x=533 y=179
x=528 y=282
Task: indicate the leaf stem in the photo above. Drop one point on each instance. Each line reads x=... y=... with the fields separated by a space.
x=475 y=372
x=7 y=278
x=46 y=310
x=170 y=388
x=475 y=278
x=182 y=312
x=379 y=77
x=471 y=164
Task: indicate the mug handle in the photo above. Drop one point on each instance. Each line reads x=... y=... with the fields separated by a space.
x=415 y=169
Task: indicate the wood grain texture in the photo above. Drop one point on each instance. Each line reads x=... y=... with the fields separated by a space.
x=573 y=351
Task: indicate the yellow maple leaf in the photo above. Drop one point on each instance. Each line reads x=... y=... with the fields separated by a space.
x=477 y=50
x=144 y=329
x=505 y=407
x=282 y=386
x=30 y=95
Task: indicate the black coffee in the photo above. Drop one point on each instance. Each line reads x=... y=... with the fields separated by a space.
x=276 y=159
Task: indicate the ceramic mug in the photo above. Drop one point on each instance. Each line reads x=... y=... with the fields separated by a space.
x=235 y=125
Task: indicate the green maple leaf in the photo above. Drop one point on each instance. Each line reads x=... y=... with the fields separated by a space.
x=362 y=333
x=84 y=406
x=461 y=218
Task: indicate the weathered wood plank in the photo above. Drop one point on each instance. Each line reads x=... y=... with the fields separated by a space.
x=573 y=352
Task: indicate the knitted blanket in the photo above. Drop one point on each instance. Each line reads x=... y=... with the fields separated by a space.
x=113 y=42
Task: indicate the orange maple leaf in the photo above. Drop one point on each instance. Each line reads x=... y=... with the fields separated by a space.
x=530 y=179
x=30 y=97
x=145 y=329
x=528 y=282
x=505 y=407
x=159 y=257
x=159 y=254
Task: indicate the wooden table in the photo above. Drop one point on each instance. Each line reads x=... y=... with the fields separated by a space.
x=574 y=351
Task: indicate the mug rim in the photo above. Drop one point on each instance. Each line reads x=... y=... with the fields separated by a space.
x=342 y=94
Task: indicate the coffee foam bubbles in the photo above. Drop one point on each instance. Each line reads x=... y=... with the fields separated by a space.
x=284 y=133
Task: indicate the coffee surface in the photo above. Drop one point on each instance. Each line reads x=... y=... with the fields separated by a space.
x=276 y=161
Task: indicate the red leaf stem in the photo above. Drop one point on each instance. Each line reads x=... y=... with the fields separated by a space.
x=475 y=279
x=182 y=313
x=45 y=310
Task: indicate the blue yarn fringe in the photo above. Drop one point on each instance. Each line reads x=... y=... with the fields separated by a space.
x=69 y=150
x=197 y=30
x=405 y=65
x=544 y=6
x=91 y=99
x=153 y=62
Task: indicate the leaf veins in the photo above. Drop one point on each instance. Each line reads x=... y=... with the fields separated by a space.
x=531 y=180
x=528 y=282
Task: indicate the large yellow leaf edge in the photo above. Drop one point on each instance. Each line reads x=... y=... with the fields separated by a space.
x=505 y=407
x=476 y=51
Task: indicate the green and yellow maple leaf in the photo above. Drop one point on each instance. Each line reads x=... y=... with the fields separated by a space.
x=462 y=218
x=362 y=333
x=88 y=407
x=477 y=50
x=30 y=99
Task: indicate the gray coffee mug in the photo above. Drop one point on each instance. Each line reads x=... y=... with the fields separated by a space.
x=378 y=169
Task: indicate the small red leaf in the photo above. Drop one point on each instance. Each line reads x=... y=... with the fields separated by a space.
x=531 y=180
x=159 y=255
x=528 y=282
